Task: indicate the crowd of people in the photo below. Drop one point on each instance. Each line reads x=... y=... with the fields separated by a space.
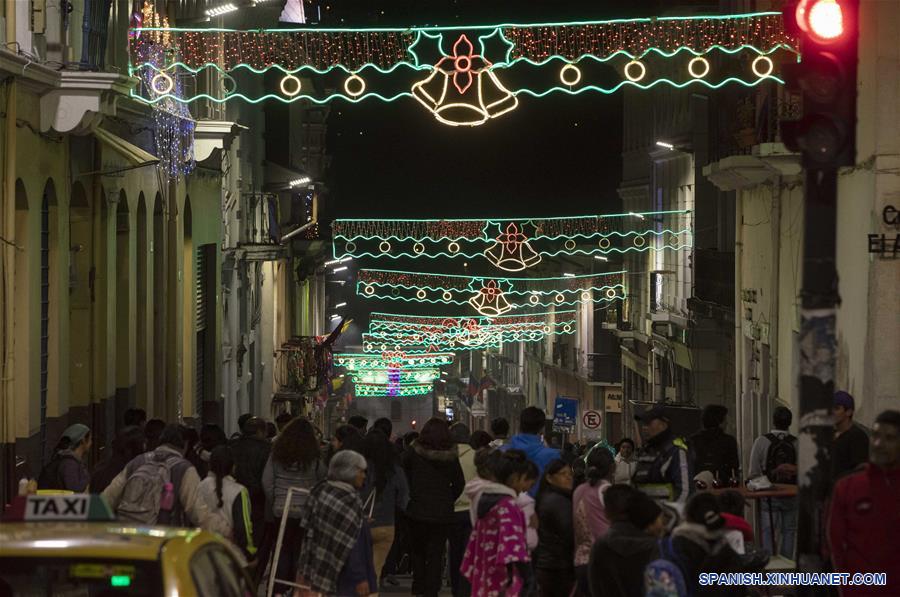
x=491 y=513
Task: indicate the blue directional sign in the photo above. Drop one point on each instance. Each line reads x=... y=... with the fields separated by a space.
x=565 y=412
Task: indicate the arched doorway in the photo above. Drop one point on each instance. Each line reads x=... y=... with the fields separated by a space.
x=158 y=404
x=124 y=332
x=143 y=353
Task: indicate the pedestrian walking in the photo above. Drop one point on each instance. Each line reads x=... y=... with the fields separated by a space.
x=500 y=431
x=336 y=556
x=251 y=452
x=295 y=462
x=851 y=444
x=435 y=481
x=531 y=427
x=713 y=450
x=67 y=470
x=589 y=516
x=128 y=443
x=346 y=437
x=211 y=437
x=387 y=488
x=360 y=423
x=152 y=431
x=480 y=439
x=696 y=545
x=162 y=487
x=136 y=417
x=774 y=455
x=618 y=558
x=626 y=462
x=496 y=559
x=229 y=500
x=554 y=555
x=462 y=526
x=662 y=470
x=864 y=517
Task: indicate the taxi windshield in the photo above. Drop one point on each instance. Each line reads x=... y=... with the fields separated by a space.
x=77 y=577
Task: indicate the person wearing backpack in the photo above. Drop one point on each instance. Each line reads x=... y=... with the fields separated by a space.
x=67 y=470
x=774 y=455
x=162 y=487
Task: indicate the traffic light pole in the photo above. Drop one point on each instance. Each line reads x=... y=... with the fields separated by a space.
x=819 y=300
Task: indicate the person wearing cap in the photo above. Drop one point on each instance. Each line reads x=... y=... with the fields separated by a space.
x=67 y=470
x=618 y=558
x=662 y=470
x=851 y=444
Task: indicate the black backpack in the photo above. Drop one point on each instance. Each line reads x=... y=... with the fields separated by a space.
x=781 y=451
x=50 y=477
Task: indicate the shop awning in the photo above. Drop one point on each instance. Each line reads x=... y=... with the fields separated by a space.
x=134 y=155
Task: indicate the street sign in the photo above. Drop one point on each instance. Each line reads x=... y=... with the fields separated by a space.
x=565 y=412
x=591 y=419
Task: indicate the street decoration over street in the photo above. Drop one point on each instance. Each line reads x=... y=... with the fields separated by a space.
x=514 y=244
x=468 y=75
x=392 y=359
x=491 y=296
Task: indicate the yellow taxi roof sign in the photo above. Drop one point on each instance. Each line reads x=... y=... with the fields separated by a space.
x=58 y=507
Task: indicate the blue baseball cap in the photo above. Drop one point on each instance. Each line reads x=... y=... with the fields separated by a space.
x=844 y=399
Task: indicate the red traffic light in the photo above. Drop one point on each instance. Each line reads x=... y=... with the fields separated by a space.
x=823 y=20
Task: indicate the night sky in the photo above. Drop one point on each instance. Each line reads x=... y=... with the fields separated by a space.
x=557 y=155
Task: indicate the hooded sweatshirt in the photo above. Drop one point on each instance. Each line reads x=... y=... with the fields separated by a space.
x=618 y=560
x=478 y=487
x=535 y=451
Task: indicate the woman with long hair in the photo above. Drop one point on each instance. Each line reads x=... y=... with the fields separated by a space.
x=626 y=461
x=554 y=555
x=589 y=510
x=295 y=461
x=388 y=491
x=229 y=499
x=435 y=481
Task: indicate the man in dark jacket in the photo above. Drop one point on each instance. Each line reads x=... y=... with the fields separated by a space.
x=851 y=444
x=864 y=519
x=662 y=470
x=713 y=450
x=618 y=558
x=435 y=481
x=251 y=452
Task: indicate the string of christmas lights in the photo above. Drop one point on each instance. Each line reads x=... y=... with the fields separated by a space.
x=392 y=359
x=463 y=321
x=355 y=49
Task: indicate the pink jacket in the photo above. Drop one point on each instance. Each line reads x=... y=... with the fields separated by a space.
x=589 y=517
x=497 y=540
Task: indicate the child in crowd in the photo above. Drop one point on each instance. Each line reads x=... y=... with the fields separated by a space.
x=738 y=531
x=526 y=503
x=225 y=496
x=496 y=560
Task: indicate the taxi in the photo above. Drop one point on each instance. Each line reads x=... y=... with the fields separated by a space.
x=72 y=545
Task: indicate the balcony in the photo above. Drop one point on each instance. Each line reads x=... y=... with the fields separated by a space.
x=258 y=239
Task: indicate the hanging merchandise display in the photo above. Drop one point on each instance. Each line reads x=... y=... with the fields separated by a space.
x=514 y=244
x=491 y=297
x=469 y=75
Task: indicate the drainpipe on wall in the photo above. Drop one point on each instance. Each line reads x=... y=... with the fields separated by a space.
x=738 y=330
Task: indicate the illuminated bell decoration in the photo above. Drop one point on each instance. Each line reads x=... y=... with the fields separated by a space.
x=462 y=90
x=489 y=301
x=512 y=252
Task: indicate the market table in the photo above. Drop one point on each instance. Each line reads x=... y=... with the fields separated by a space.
x=778 y=490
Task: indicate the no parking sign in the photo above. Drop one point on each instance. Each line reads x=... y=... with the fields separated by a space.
x=592 y=419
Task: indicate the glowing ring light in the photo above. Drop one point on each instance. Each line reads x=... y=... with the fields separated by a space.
x=370 y=290
x=698 y=60
x=419 y=248
x=546 y=329
x=765 y=60
x=421 y=293
x=569 y=245
x=384 y=246
x=534 y=299
x=161 y=76
x=635 y=78
x=674 y=240
x=369 y=347
x=350 y=246
x=604 y=243
x=559 y=297
x=447 y=296
x=611 y=293
x=224 y=87
x=383 y=347
x=453 y=247
x=576 y=75
x=567 y=328
x=586 y=295
x=639 y=241
x=295 y=81
x=359 y=81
